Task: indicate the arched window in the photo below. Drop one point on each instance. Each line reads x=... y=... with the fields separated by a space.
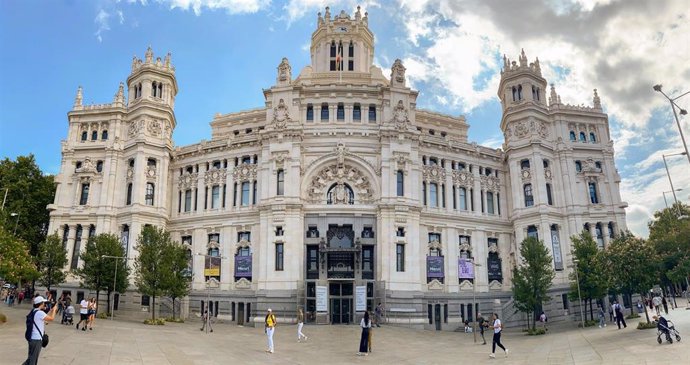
x=612 y=232
x=150 y=188
x=599 y=232
x=400 y=177
x=592 y=137
x=529 y=198
x=519 y=92
x=532 y=232
x=598 y=165
x=573 y=138
x=593 y=196
x=310 y=112
x=433 y=195
x=340 y=194
x=104 y=135
x=524 y=164
x=160 y=89
x=372 y=113
x=340 y=112
x=514 y=93
x=84 y=136
x=84 y=198
x=583 y=138
x=535 y=96
x=280 y=188
x=357 y=112
x=324 y=112
x=333 y=54
x=154 y=89
x=578 y=166
x=94 y=135
x=99 y=166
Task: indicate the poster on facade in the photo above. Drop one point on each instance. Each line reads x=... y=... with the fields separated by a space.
x=493 y=264
x=556 y=245
x=360 y=298
x=434 y=266
x=465 y=269
x=322 y=299
x=243 y=266
x=212 y=266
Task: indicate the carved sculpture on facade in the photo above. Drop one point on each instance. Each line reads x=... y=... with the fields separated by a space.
x=134 y=128
x=279 y=158
x=398 y=73
x=341 y=151
x=490 y=183
x=187 y=181
x=284 y=72
x=526 y=128
x=244 y=172
x=215 y=176
x=400 y=118
x=281 y=115
x=154 y=128
x=463 y=178
x=401 y=159
x=434 y=173
x=340 y=174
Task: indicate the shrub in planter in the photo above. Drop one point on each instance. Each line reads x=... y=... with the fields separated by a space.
x=102 y=315
x=646 y=326
x=155 y=322
x=536 y=331
x=175 y=320
x=588 y=323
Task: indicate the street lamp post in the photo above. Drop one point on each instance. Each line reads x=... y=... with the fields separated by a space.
x=579 y=296
x=666 y=202
x=112 y=303
x=208 y=290
x=474 y=298
x=675 y=200
x=16 y=222
x=657 y=88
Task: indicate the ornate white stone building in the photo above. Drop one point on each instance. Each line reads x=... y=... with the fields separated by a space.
x=339 y=193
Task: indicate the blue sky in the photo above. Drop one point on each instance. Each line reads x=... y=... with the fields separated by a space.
x=226 y=51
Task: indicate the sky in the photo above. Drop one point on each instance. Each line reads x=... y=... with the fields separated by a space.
x=226 y=51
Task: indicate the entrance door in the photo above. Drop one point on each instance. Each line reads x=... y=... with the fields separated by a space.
x=341 y=302
x=240 y=313
x=437 y=316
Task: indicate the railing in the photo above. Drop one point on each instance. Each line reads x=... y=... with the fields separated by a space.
x=166 y=306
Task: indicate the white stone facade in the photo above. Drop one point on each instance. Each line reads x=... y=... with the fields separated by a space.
x=347 y=154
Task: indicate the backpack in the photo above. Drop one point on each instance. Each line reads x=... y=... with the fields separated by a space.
x=29 y=324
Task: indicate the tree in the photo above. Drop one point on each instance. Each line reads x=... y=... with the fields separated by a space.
x=16 y=264
x=52 y=259
x=532 y=278
x=630 y=265
x=177 y=284
x=153 y=263
x=669 y=234
x=98 y=272
x=592 y=281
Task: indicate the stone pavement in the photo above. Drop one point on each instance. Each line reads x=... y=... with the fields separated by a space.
x=125 y=342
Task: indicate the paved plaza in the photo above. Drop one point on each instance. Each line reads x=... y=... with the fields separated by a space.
x=127 y=342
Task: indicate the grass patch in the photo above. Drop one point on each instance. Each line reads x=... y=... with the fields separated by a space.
x=645 y=325
x=175 y=320
x=588 y=323
x=155 y=322
x=536 y=331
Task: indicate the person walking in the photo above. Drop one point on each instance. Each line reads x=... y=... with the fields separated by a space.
x=20 y=297
x=39 y=319
x=664 y=303
x=92 y=312
x=482 y=324
x=498 y=328
x=378 y=313
x=543 y=319
x=300 y=324
x=83 y=314
x=602 y=317
x=206 y=321
x=270 y=326
x=657 y=303
x=619 y=315
x=365 y=323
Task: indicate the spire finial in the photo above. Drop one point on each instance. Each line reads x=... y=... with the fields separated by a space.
x=79 y=98
x=358 y=14
x=149 y=55
x=120 y=96
x=553 y=98
x=596 y=100
x=523 y=58
x=167 y=60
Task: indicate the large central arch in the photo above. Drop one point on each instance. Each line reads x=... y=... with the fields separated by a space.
x=337 y=172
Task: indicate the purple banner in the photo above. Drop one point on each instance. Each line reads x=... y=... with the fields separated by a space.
x=434 y=266
x=243 y=266
x=465 y=269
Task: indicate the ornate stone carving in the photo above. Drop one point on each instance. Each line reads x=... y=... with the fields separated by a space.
x=400 y=118
x=87 y=166
x=434 y=173
x=215 y=176
x=279 y=158
x=463 y=178
x=466 y=285
x=495 y=285
x=525 y=174
x=589 y=166
x=493 y=247
x=284 y=71
x=243 y=283
x=134 y=128
x=398 y=73
x=340 y=174
x=186 y=181
x=340 y=152
x=490 y=183
x=530 y=127
x=150 y=172
x=244 y=172
x=401 y=159
x=465 y=246
x=154 y=128
x=547 y=174
x=281 y=115
x=435 y=285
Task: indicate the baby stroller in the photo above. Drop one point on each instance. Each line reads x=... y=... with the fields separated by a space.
x=68 y=316
x=669 y=330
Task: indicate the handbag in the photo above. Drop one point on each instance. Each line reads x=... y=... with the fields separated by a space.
x=44 y=336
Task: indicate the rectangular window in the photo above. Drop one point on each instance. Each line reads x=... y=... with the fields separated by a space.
x=188 y=200
x=279 y=231
x=357 y=112
x=254 y=193
x=150 y=190
x=481 y=199
x=84 y=194
x=224 y=190
x=179 y=201
x=490 y=202
x=424 y=193
x=472 y=199
x=145 y=300
x=340 y=112
x=549 y=198
x=593 y=196
x=455 y=197
x=434 y=237
x=372 y=113
x=129 y=194
x=244 y=236
x=433 y=195
x=280 y=189
x=498 y=203
x=566 y=305
x=310 y=112
x=400 y=176
x=368 y=262
x=312 y=262
x=206 y=197
x=234 y=195
x=400 y=257
x=312 y=232
x=324 y=112
x=463 y=198
x=215 y=196
x=76 y=250
x=400 y=232
x=245 y=193
x=279 y=257
x=443 y=195
x=196 y=198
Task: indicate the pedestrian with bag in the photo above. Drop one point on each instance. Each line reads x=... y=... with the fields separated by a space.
x=619 y=315
x=35 y=329
x=543 y=319
x=602 y=317
x=365 y=324
x=498 y=328
x=270 y=326
x=482 y=324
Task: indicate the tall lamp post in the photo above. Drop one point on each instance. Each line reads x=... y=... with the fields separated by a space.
x=112 y=303
x=665 y=201
x=474 y=297
x=16 y=222
x=675 y=200
x=657 y=88
x=579 y=296
x=208 y=288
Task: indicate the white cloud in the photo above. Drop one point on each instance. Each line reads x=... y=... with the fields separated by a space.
x=121 y=16
x=102 y=23
x=296 y=9
x=231 y=6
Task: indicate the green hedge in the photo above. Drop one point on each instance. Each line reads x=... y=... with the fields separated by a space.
x=536 y=331
x=155 y=322
x=588 y=323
